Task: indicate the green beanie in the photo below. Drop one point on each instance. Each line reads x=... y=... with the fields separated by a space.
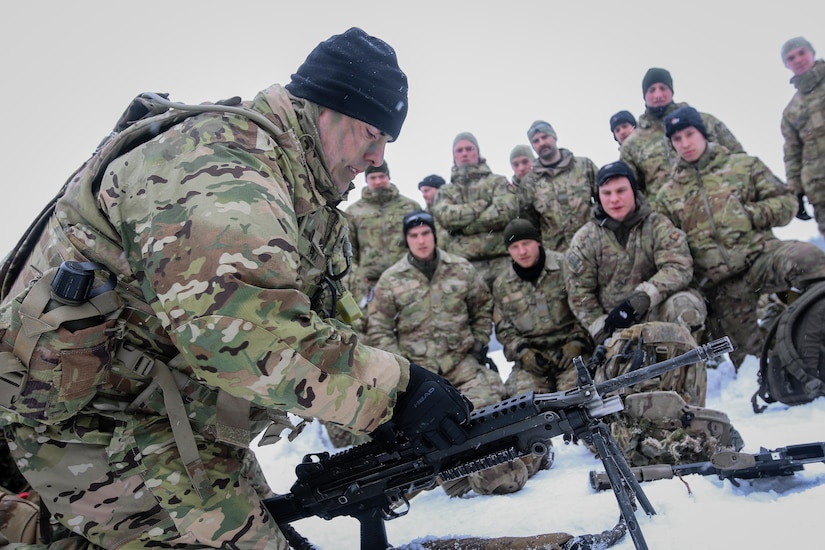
x=522 y=151
x=794 y=43
x=469 y=137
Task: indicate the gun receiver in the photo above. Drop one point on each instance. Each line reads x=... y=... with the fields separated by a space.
x=370 y=482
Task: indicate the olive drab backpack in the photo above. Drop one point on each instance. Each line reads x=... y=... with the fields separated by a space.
x=792 y=363
x=644 y=344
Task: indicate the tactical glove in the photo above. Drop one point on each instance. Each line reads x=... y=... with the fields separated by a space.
x=570 y=351
x=534 y=361
x=802 y=213
x=430 y=411
x=621 y=316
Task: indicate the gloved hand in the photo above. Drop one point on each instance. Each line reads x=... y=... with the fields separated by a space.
x=621 y=316
x=479 y=352
x=570 y=351
x=802 y=213
x=534 y=361
x=430 y=411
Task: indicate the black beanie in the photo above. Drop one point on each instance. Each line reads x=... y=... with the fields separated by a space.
x=433 y=180
x=357 y=75
x=520 y=229
x=621 y=117
x=380 y=168
x=682 y=118
x=654 y=75
x=416 y=218
x=613 y=170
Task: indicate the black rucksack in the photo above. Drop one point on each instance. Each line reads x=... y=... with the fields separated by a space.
x=792 y=364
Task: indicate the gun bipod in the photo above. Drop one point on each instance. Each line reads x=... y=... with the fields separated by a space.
x=624 y=483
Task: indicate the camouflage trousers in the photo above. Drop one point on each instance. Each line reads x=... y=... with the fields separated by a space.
x=520 y=381
x=122 y=484
x=686 y=308
x=734 y=302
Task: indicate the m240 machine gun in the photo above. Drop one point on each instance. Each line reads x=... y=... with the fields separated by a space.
x=371 y=482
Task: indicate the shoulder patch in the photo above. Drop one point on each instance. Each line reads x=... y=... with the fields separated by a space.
x=574 y=263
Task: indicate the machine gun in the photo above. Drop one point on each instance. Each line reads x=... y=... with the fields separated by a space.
x=731 y=465
x=370 y=482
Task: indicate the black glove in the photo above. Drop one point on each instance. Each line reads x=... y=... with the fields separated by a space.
x=802 y=213
x=621 y=316
x=479 y=352
x=430 y=411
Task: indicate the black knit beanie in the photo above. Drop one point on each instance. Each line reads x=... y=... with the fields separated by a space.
x=613 y=170
x=357 y=75
x=682 y=118
x=416 y=218
x=433 y=180
x=380 y=168
x=654 y=75
x=621 y=117
x=520 y=229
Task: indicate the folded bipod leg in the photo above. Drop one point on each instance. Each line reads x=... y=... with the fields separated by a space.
x=624 y=483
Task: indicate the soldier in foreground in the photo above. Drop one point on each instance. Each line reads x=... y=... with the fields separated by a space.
x=727 y=204
x=434 y=308
x=217 y=238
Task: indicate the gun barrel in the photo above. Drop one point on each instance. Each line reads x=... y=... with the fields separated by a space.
x=713 y=349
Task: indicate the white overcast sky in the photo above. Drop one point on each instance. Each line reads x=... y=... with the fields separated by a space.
x=490 y=68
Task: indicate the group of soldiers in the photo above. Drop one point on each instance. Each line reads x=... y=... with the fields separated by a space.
x=564 y=255
x=177 y=299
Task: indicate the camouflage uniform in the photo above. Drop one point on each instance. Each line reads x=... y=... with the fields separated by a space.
x=655 y=260
x=475 y=207
x=536 y=316
x=649 y=154
x=803 y=127
x=727 y=204
x=220 y=235
x=557 y=199
x=374 y=220
x=435 y=323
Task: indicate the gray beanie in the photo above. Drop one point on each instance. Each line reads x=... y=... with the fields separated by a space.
x=522 y=151
x=796 y=42
x=469 y=137
x=541 y=126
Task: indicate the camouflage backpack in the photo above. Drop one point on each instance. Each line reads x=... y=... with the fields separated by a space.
x=792 y=363
x=644 y=344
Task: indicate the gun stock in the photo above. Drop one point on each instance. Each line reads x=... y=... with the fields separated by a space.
x=370 y=482
x=731 y=465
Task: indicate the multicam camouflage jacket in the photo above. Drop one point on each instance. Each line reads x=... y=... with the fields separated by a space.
x=726 y=204
x=803 y=127
x=655 y=259
x=220 y=234
x=475 y=207
x=651 y=157
x=376 y=232
x=537 y=315
x=558 y=200
x=432 y=323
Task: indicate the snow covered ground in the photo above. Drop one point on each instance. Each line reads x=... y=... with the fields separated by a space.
x=759 y=514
